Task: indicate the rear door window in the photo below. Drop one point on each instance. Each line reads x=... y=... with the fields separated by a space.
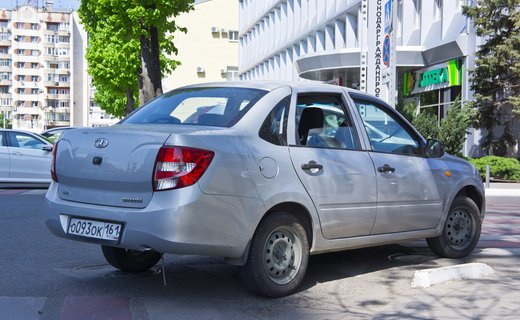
x=274 y=127
x=321 y=122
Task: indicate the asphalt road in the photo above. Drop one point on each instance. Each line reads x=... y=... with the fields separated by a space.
x=44 y=277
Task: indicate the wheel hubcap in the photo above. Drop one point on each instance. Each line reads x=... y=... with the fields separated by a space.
x=459 y=228
x=282 y=255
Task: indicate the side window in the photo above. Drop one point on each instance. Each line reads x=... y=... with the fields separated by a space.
x=274 y=128
x=385 y=132
x=322 y=123
x=22 y=140
x=1 y=139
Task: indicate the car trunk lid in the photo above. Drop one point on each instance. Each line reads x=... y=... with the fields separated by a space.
x=109 y=166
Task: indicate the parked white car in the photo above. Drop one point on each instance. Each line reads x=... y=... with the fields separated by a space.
x=263 y=174
x=25 y=157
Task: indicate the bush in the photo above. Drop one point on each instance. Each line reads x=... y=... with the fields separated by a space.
x=499 y=168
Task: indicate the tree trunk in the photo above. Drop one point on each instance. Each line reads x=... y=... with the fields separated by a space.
x=130 y=101
x=151 y=67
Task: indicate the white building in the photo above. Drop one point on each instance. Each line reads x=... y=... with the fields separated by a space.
x=42 y=68
x=326 y=40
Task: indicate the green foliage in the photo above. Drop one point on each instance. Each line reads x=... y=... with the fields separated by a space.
x=499 y=168
x=7 y=122
x=496 y=78
x=451 y=131
x=126 y=37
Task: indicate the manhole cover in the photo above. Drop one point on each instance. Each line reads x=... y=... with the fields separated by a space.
x=409 y=257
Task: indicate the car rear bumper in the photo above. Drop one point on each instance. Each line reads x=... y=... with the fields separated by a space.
x=183 y=221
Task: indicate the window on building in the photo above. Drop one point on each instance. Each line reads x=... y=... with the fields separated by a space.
x=53 y=65
x=52 y=26
x=232 y=74
x=34 y=104
x=4 y=89
x=64 y=78
x=64 y=104
x=34 y=39
x=35 y=53
x=417 y=13
x=21 y=52
x=20 y=90
x=5 y=36
x=20 y=103
x=6 y=101
x=34 y=65
x=34 y=78
x=52 y=91
x=3 y=24
x=4 y=49
x=20 y=25
x=21 y=77
x=34 y=26
x=63 y=91
x=5 y=62
x=35 y=91
x=20 y=64
x=64 y=26
x=64 y=39
x=5 y=75
x=233 y=35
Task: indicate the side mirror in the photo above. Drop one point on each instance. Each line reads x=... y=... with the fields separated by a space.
x=47 y=148
x=434 y=148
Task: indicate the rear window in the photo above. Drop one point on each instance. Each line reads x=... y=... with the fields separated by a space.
x=221 y=107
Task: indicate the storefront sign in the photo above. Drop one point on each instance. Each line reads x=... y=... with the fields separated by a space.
x=375 y=42
x=433 y=78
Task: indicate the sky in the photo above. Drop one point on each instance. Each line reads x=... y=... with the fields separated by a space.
x=58 y=4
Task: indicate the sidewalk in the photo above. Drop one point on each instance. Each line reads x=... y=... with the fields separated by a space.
x=503 y=189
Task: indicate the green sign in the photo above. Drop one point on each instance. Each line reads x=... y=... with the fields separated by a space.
x=433 y=78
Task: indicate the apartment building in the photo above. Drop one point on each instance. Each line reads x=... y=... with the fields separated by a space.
x=41 y=83
x=327 y=41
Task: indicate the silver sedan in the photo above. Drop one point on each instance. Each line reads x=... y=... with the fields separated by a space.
x=263 y=174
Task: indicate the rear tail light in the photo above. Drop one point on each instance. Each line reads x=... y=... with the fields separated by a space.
x=53 y=162
x=179 y=167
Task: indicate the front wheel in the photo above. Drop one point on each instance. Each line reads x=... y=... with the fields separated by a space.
x=278 y=256
x=130 y=260
x=461 y=231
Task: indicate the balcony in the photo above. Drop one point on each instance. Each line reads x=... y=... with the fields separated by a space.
x=6 y=82
x=27 y=110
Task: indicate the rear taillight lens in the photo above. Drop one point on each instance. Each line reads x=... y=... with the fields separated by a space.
x=53 y=162
x=179 y=167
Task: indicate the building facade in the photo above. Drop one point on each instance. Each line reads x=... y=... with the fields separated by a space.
x=326 y=41
x=208 y=52
x=42 y=68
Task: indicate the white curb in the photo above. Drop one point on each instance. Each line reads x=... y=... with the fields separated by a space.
x=428 y=277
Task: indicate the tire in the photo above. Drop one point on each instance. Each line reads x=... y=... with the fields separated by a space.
x=461 y=231
x=129 y=260
x=278 y=256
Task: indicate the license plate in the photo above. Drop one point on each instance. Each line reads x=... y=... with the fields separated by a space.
x=95 y=229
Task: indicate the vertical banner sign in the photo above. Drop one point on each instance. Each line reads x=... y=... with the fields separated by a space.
x=375 y=39
x=381 y=53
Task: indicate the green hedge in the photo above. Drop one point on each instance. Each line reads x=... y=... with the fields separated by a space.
x=500 y=168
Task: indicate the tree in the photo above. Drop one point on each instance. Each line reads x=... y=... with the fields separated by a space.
x=7 y=122
x=130 y=41
x=496 y=78
x=451 y=130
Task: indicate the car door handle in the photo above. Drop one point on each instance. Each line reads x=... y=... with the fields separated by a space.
x=312 y=165
x=386 y=169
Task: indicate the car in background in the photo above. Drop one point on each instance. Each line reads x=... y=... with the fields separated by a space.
x=263 y=174
x=25 y=157
x=54 y=133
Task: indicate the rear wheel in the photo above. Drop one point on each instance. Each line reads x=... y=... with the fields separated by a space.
x=461 y=231
x=278 y=256
x=130 y=260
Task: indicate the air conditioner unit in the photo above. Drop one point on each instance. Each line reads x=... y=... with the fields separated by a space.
x=214 y=29
x=223 y=70
x=57 y=83
x=223 y=30
x=200 y=70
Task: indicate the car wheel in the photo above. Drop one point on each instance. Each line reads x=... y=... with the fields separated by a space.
x=130 y=260
x=278 y=256
x=461 y=231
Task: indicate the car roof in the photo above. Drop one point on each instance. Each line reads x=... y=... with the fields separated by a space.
x=263 y=85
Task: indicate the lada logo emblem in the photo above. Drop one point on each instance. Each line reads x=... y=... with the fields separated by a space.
x=101 y=143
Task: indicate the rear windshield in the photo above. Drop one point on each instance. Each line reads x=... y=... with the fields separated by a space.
x=221 y=107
